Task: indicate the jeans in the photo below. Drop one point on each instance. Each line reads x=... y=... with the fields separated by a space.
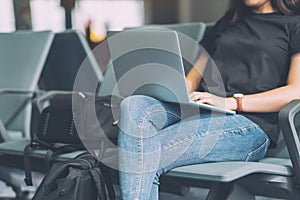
x=156 y=137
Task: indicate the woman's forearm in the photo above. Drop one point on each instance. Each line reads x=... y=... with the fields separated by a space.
x=270 y=101
x=276 y=99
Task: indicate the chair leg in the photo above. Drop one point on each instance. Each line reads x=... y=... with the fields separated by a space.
x=239 y=192
x=7 y=178
x=219 y=191
x=229 y=191
x=4 y=137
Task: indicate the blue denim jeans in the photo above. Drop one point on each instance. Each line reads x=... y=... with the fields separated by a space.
x=154 y=137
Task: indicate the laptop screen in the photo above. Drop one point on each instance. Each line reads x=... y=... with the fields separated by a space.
x=148 y=62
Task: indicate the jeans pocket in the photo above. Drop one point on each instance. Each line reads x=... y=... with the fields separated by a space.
x=259 y=152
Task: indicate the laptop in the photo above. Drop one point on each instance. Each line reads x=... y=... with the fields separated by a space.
x=149 y=62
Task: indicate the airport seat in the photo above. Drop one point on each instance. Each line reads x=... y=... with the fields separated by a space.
x=68 y=54
x=22 y=56
x=67 y=51
x=277 y=175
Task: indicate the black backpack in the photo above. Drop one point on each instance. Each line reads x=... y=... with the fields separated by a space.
x=78 y=118
x=56 y=132
x=80 y=178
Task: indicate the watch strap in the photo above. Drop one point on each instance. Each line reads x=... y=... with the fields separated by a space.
x=239 y=102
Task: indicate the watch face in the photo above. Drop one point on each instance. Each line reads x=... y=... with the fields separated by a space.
x=238 y=95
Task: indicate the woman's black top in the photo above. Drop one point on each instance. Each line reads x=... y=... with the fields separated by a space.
x=253 y=55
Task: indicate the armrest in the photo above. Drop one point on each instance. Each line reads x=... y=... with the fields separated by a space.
x=289 y=120
x=30 y=94
x=16 y=91
x=4 y=137
x=40 y=100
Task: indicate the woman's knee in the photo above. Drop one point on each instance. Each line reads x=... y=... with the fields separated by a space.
x=143 y=113
x=137 y=106
x=137 y=102
x=136 y=110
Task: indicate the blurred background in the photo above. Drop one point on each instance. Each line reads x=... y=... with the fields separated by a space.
x=103 y=15
x=95 y=17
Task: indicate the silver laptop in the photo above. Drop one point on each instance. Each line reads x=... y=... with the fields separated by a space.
x=149 y=62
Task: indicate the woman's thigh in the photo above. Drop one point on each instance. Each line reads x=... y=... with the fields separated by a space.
x=167 y=132
x=211 y=138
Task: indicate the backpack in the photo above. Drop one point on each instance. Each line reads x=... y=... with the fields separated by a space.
x=79 y=118
x=57 y=132
x=80 y=178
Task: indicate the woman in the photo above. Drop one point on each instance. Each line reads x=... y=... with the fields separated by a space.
x=256 y=47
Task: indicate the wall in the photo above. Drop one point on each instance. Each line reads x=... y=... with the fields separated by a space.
x=201 y=10
x=161 y=11
x=179 y=11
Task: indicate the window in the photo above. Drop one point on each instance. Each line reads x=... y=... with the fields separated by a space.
x=108 y=14
x=47 y=15
x=104 y=15
x=7 y=18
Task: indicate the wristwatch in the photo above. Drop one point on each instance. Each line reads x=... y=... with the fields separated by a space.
x=239 y=101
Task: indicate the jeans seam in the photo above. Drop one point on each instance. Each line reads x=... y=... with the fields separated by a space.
x=141 y=146
x=241 y=129
x=256 y=150
x=138 y=180
x=193 y=137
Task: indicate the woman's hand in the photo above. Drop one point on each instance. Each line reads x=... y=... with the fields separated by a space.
x=213 y=100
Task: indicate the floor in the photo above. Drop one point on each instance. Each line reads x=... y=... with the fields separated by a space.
x=7 y=193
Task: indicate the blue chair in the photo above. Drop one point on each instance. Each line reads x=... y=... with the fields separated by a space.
x=67 y=54
x=57 y=73
x=277 y=175
x=22 y=56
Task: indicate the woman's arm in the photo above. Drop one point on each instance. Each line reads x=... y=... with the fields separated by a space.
x=194 y=76
x=269 y=101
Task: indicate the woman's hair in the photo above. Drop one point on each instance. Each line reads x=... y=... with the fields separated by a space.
x=237 y=8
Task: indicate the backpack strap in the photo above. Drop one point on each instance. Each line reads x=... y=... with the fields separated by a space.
x=27 y=165
x=103 y=169
x=52 y=150
x=101 y=179
x=34 y=144
x=60 y=149
x=100 y=183
x=108 y=182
